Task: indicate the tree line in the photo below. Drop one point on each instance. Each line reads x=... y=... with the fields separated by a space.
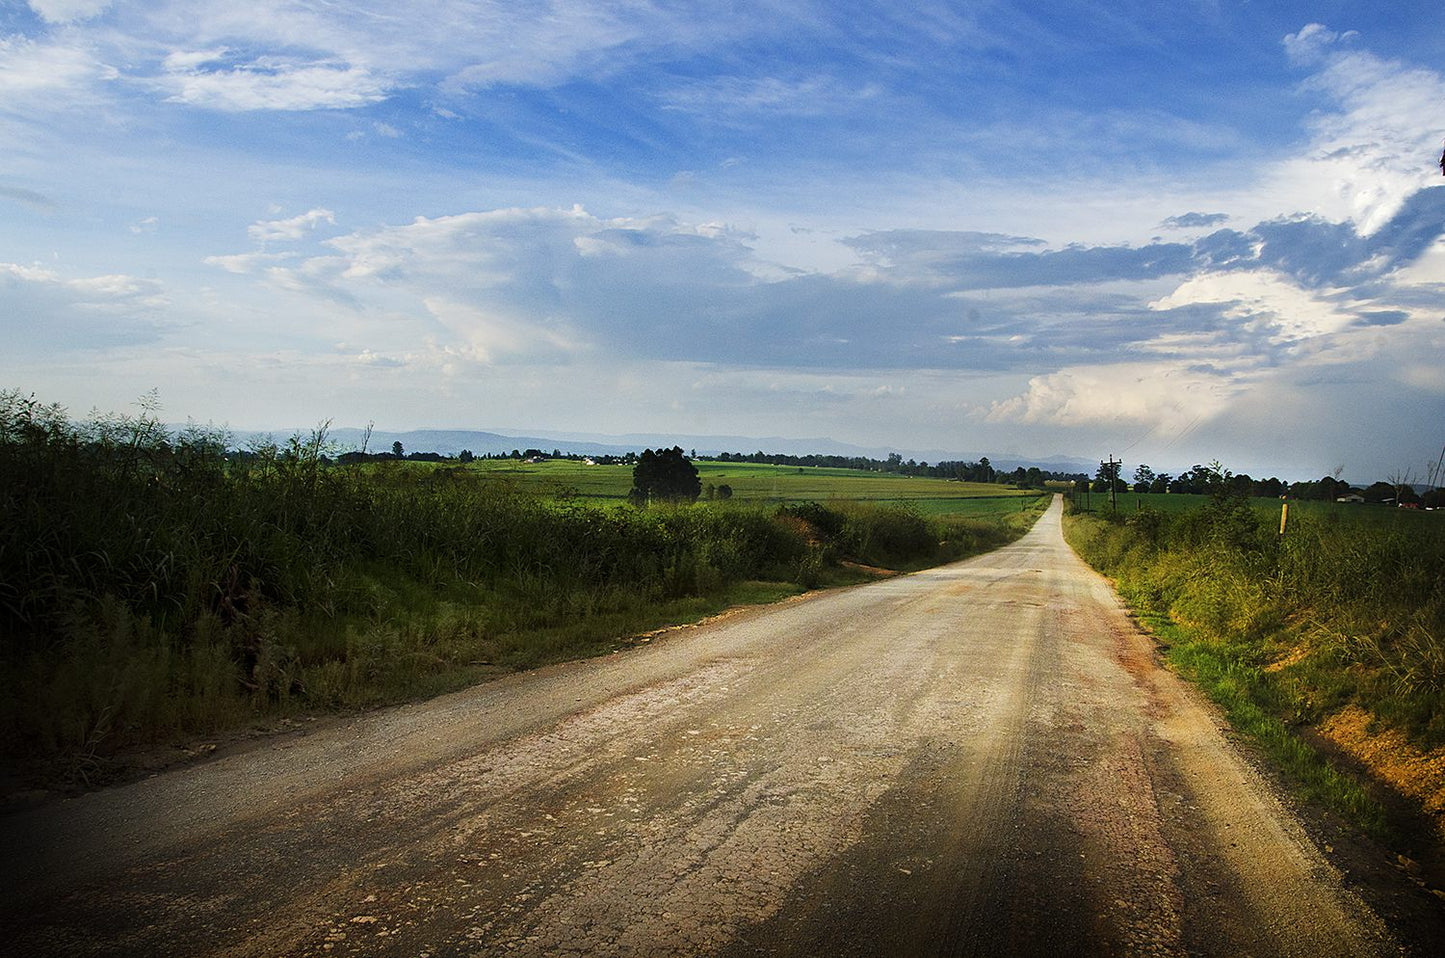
x=966 y=471
x=1202 y=480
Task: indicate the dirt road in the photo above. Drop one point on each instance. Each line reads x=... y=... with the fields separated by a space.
x=978 y=759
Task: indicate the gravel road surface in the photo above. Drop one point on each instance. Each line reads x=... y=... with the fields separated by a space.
x=982 y=759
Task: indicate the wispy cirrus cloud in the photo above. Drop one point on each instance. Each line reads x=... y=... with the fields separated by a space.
x=68 y=11
x=218 y=80
x=40 y=75
x=756 y=97
x=30 y=198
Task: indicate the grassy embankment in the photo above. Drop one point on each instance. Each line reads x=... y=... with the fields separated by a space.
x=151 y=590
x=1324 y=645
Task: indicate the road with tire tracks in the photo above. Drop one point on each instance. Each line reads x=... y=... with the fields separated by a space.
x=983 y=758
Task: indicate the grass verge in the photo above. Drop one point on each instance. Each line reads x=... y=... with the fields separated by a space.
x=1290 y=633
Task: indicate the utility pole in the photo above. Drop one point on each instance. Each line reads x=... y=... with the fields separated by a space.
x=1111 y=472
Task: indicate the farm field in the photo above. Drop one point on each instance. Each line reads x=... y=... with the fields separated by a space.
x=762 y=483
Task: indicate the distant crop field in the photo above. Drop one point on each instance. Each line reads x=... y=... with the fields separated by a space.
x=753 y=482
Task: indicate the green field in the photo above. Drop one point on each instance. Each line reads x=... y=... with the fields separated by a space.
x=1345 y=512
x=762 y=483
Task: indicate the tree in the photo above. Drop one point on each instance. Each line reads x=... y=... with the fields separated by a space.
x=1108 y=475
x=465 y=455
x=665 y=474
x=1404 y=482
x=1380 y=492
x=1143 y=478
x=396 y=449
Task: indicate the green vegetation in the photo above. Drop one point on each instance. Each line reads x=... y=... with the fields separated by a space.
x=1345 y=610
x=154 y=585
x=664 y=476
x=755 y=482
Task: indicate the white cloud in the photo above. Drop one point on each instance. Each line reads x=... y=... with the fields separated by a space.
x=42 y=309
x=1313 y=42
x=295 y=228
x=212 y=80
x=118 y=291
x=245 y=262
x=769 y=95
x=474 y=45
x=484 y=337
x=89 y=292
x=30 y=71
x=1366 y=157
x=1264 y=301
x=1167 y=395
x=68 y=11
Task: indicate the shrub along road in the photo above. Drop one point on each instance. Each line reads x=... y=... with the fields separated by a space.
x=981 y=758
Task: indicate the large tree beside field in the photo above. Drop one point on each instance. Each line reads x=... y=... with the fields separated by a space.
x=664 y=475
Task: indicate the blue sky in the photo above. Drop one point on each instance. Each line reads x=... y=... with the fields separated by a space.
x=1170 y=232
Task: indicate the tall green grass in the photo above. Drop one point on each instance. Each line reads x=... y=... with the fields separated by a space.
x=1285 y=630
x=153 y=584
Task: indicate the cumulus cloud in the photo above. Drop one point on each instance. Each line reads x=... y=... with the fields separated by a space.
x=1168 y=395
x=515 y=284
x=295 y=228
x=1263 y=301
x=1377 y=147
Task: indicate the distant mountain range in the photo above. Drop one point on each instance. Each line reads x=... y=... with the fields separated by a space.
x=449 y=442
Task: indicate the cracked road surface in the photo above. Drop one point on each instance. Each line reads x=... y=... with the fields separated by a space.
x=978 y=759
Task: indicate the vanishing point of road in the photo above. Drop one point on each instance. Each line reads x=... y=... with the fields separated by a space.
x=979 y=759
